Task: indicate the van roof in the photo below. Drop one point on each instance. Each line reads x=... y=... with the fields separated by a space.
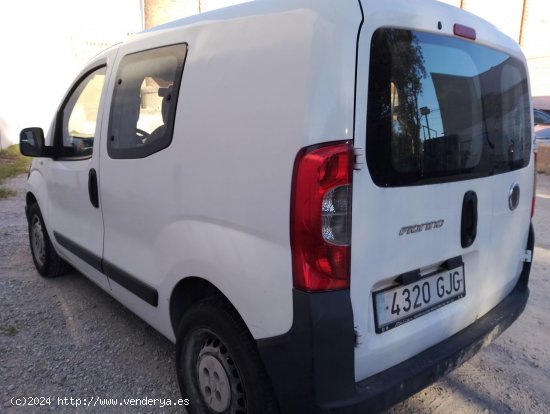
x=487 y=32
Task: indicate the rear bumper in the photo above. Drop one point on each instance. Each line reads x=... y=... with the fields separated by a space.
x=312 y=367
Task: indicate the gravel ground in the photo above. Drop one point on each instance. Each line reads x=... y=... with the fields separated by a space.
x=65 y=337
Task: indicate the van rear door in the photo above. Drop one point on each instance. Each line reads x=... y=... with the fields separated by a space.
x=441 y=209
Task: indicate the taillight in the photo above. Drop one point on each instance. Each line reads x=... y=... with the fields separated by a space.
x=534 y=187
x=320 y=222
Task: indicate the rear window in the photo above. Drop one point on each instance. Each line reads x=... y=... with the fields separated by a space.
x=443 y=109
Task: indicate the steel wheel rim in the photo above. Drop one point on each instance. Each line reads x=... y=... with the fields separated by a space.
x=38 y=243
x=221 y=389
x=213 y=382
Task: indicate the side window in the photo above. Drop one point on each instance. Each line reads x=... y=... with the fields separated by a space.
x=79 y=116
x=144 y=102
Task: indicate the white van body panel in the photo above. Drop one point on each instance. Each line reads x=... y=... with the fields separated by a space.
x=379 y=254
x=187 y=211
x=37 y=186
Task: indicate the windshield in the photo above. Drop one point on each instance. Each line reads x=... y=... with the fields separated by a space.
x=443 y=109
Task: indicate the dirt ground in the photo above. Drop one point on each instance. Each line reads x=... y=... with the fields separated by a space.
x=66 y=338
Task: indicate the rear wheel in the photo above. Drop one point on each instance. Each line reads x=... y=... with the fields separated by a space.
x=46 y=260
x=219 y=369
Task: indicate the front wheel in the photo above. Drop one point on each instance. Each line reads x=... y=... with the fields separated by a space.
x=218 y=366
x=46 y=260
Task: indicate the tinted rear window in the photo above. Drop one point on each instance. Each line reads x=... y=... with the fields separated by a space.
x=443 y=109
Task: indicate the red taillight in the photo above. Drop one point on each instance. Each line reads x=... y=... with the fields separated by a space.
x=320 y=222
x=534 y=188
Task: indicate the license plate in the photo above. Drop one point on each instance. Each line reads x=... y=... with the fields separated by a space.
x=396 y=306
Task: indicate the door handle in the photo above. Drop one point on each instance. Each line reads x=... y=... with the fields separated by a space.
x=93 y=191
x=468 y=226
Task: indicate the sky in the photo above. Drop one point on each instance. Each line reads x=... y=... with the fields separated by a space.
x=41 y=51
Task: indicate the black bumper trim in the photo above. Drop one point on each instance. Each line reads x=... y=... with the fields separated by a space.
x=91 y=258
x=383 y=390
x=133 y=284
x=312 y=368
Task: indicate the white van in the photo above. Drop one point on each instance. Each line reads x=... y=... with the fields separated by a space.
x=325 y=205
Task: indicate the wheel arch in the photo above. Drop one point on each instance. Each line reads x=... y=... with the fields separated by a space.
x=30 y=199
x=190 y=291
x=36 y=191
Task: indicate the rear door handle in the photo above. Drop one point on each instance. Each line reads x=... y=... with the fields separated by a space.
x=92 y=188
x=468 y=227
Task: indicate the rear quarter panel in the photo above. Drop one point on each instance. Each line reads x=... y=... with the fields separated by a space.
x=255 y=89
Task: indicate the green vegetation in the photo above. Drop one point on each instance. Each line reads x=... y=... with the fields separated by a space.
x=6 y=192
x=12 y=163
x=9 y=330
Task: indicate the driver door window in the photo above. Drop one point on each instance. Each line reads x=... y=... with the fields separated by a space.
x=79 y=116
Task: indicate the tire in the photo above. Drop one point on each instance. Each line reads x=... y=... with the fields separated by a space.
x=45 y=258
x=218 y=366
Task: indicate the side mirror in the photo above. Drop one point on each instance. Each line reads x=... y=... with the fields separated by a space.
x=31 y=142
